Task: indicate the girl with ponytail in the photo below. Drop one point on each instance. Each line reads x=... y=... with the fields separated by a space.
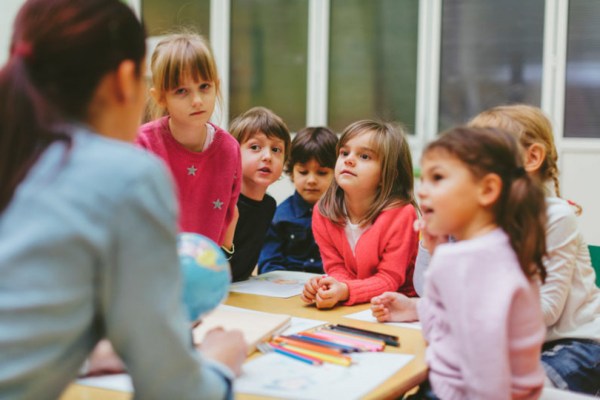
x=481 y=311
x=570 y=297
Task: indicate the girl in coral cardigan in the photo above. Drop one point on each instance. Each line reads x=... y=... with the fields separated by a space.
x=364 y=222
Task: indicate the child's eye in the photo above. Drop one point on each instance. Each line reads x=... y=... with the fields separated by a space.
x=437 y=177
x=344 y=153
x=365 y=157
x=322 y=173
x=180 y=91
x=205 y=86
x=254 y=147
x=301 y=172
x=277 y=150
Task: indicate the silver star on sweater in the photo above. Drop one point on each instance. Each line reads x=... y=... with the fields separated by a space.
x=217 y=204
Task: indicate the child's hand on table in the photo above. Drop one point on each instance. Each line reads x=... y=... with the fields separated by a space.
x=393 y=306
x=311 y=287
x=330 y=292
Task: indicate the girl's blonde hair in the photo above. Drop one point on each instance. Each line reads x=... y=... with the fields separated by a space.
x=531 y=126
x=389 y=142
x=177 y=57
x=520 y=209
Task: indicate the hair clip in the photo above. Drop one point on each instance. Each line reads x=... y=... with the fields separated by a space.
x=22 y=49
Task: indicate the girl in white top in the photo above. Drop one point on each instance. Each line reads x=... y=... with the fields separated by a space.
x=570 y=298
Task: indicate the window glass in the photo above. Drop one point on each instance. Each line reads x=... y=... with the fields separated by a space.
x=582 y=91
x=491 y=54
x=268 y=58
x=164 y=16
x=373 y=61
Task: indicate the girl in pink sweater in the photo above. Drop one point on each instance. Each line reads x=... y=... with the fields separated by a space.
x=363 y=224
x=481 y=311
x=204 y=159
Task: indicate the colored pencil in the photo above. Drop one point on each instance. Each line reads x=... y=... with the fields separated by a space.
x=307 y=337
x=337 y=338
x=308 y=346
x=355 y=336
x=388 y=339
x=295 y=355
x=339 y=359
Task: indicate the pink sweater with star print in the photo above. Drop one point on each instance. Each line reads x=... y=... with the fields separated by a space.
x=384 y=256
x=208 y=183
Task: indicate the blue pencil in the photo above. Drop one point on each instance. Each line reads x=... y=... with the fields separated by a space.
x=296 y=356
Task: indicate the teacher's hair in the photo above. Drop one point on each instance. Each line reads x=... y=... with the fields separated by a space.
x=59 y=52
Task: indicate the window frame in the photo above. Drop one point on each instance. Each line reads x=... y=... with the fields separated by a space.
x=556 y=19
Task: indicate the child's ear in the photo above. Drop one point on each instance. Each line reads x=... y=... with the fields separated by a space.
x=534 y=157
x=490 y=187
x=158 y=98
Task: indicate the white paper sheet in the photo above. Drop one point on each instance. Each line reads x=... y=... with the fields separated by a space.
x=282 y=284
x=280 y=376
x=367 y=316
x=120 y=382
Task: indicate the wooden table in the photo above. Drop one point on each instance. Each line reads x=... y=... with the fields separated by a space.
x=411 y=342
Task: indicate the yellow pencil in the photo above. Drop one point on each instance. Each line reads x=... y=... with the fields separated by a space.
x=340 y=360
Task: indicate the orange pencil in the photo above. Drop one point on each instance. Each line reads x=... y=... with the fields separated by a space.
x=339 y=359
x=296 y=354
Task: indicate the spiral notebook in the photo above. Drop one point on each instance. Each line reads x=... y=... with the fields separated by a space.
x=256 y=326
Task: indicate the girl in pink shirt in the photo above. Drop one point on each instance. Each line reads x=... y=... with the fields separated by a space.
x=481 y=311
x=204 y=159
x=363 y=224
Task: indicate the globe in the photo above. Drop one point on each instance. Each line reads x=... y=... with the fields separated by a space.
x=205 y=271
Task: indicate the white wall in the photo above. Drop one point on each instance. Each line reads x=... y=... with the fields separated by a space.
x=8 y=10
x=282 y=189
x=580 y=183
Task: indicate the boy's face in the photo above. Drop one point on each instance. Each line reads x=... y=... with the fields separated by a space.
x=311 y=180
x=262 y=163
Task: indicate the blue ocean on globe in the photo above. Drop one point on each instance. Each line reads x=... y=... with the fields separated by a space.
x=205 y=271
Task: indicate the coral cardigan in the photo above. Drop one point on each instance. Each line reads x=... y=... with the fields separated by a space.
x=384 y=257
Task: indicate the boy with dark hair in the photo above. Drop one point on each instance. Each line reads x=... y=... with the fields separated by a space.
x=290 y=244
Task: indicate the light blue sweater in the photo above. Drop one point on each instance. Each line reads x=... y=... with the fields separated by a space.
x=88 y=250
